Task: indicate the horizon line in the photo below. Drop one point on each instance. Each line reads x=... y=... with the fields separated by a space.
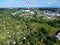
x=30 y=7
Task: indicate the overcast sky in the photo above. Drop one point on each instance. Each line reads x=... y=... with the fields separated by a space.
x=33 y=3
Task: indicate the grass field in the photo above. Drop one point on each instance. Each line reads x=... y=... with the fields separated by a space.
x=22 y=27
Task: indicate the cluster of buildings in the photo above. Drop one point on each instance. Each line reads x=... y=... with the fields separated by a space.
x=25 y=12
x=50 y=14
x=47 y=14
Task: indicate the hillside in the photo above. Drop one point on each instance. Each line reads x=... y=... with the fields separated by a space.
x=29 y=30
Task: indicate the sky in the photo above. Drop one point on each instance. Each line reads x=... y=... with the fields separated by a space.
x=33 y=3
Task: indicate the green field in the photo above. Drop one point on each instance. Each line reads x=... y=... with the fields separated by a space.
x=38 y=31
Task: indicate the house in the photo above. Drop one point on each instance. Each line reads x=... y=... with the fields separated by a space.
x=46 y=12
x=58 y=14
x=28 y=13
x=58 y=36
x=25 y=10
x=32 y=12
x=13 y=14
x=47 y=17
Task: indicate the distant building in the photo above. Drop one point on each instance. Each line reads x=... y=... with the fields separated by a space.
x=13 y=14
x=58 y=36
x=28 y=12
x=32 y=12
x=25 y=10
x=57 y=14
x=47 y=17
x=46 y=12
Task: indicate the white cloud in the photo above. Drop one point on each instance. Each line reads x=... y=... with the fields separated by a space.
x=9 y=3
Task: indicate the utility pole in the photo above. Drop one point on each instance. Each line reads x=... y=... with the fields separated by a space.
x=28 y=3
